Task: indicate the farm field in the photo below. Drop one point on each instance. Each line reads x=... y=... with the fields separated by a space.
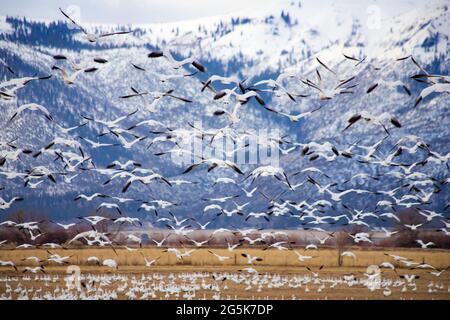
x=280 y=275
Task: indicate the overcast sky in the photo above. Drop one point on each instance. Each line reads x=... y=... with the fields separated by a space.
x=150 y=11
x=126 y=11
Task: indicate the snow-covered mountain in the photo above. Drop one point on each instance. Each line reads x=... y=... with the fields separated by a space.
x=256 y=45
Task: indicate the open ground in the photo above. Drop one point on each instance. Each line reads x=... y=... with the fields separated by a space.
x=280 y=274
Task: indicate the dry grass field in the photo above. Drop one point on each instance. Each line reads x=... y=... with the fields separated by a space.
x=276 y=264
x=202 y=257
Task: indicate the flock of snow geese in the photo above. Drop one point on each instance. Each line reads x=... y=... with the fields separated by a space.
x=68 y=148
x=205 y=285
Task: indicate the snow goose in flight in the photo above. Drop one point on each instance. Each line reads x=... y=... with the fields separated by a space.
x=322 y=241
x=250 y=258
x=123 y=166
x=157 y=96
x=438 y=273
x=8 y=88
x=135 y=239
x=148 y=262
x=349 y=254
x=29 y=225
x=90 y=36
x=129 y=220
x=302 y=258
x=319 y=149
x=67 y=130
x=277 y=84
x=435 y=88
x=221 y=200
x=203 y=226
x=160 y=242
x=257 y=215
x=425 y=245
x=359 y=61
x=182 y=231
x=413 y=227
x=199 y=244
x=176 y=64
x=57 y=258
x=336 y=196
x=342 y=87
x=225 y=80
x=150 y=123
x=109 y=205
x=245 y=97
x=33 y=258
x=73 y=64
x=314 y=273
x=64 y=226
x=12 y=155
x=269 y=171
x=165 y=77
x=224 y=180
x=388 y=233
x=390 y=215
x=25 y=246
x=379 y=120
x=212 y=207
x=233 y=117
x=249 y=194
x=8 y=264
x=94 y=219
x=144 y=180
x=7 y=204
x=93 y=259
x=361 y=237
x=163 y=204
x=4 y=64
x=251 y=241
x=390 y=85
x=176 y=221
x=96 y=144
x=232 y=247
x=215 y=163
x=294 y=117
x=32 y=107
x=219 y=257
x=241 y=98
x=111 y=124
x=90 y=197
x=224 y=95
x=110 y=263
x=229 y=213
x=34 y=270
x=69 y=79
x=129 y=144
x=21 y=81
x=280 y=245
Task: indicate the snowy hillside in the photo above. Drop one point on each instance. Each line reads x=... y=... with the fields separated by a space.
x=256 y=45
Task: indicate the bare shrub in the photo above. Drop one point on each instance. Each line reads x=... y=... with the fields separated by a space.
x=405 y=236
x=342 y=241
